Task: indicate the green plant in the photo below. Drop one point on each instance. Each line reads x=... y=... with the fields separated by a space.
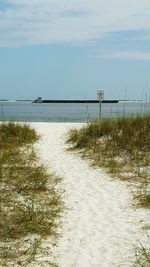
x=30 y=204
x=121 y=146
x=142 y=257
x=17 y=134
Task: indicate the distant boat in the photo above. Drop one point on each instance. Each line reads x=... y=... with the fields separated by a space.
x=39 y=100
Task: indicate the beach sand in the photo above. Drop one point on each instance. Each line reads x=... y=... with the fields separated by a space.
x=100 y=227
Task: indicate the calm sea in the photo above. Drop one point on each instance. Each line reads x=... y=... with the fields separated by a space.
x=29 y=112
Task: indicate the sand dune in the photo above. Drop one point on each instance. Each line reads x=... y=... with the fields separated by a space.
x=100 y=227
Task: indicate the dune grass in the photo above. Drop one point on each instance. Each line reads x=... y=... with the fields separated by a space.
x=122 y=147
x=17 y=134
x=30 y=202
x=142 y=257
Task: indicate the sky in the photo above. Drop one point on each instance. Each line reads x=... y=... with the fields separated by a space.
x=69 y=49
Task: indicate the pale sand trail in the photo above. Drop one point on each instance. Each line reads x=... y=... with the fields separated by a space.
x=100 y=227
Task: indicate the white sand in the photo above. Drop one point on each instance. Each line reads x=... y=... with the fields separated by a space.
x=100 y=227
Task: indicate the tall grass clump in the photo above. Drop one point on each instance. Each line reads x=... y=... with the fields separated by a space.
x=30 y=199
x=142 y=257
x=17 y=134
x=122 y=147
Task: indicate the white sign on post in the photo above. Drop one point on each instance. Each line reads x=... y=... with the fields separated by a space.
x=100 y=97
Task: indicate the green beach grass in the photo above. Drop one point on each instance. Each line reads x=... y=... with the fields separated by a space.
x=30 y=202
x=122 y=147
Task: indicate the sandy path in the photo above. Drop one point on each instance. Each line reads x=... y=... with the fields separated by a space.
x=100 y=227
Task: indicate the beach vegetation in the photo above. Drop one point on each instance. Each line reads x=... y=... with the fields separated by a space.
x=142 y=257
x=31 y=203
x=122 y=147
x=17 y=134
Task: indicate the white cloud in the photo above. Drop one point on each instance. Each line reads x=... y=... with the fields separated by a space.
x=127 y=55
x=74 y=21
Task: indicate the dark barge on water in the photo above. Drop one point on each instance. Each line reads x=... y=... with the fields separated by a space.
x=68 y=101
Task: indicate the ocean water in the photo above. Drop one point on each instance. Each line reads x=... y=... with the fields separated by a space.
x=30 y=112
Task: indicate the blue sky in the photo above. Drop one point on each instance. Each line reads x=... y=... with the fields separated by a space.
x=70 y=49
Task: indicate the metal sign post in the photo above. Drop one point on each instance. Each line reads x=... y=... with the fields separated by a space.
x=2 y=113
x=100 y=97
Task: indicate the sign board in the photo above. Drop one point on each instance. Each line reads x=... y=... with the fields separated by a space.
x=100 y=95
